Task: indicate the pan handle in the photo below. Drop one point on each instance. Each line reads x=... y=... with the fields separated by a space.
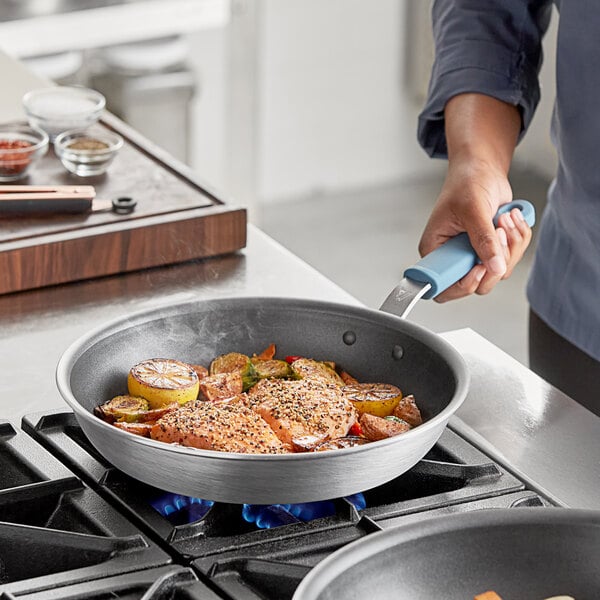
x=453 y=260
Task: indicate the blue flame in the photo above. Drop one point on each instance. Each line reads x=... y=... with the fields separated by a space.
x=357 y=500
x=268 y=516
x=180 y=509
x=275 y=515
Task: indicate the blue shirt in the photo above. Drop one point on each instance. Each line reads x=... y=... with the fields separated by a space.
x=494 y=47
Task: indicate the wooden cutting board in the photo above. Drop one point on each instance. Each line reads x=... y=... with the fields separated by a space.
x=176 y=219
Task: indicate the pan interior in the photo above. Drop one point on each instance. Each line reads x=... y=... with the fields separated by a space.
x=367 y=344
x=525 y=561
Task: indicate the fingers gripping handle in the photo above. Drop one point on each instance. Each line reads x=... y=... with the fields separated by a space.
x=453 y=260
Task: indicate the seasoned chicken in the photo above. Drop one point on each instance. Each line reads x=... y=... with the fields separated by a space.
x=224 y=426
x=302 y=413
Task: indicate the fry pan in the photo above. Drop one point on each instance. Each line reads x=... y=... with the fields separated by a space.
x=372 y=345
x=520 y=553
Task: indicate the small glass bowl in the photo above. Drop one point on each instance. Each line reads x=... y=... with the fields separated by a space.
x=87 y=152
x=21 y=146
x=63 y=108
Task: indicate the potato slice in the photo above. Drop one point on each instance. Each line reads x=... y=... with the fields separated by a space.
x=378 y=428
x=408 y=411
x=222 y=386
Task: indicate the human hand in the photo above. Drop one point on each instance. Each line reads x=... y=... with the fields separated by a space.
x=469 y=199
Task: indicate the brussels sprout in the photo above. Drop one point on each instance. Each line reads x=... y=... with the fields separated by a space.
x=272 y=369
x=123 y=408
x=234 y=362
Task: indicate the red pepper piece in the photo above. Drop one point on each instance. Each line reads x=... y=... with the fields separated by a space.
x=291 y=359
x=356 y=429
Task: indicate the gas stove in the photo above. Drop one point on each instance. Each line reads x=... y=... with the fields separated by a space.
x=73 y=526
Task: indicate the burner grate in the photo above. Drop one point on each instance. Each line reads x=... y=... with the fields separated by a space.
x=55 y=530
x=159 y=583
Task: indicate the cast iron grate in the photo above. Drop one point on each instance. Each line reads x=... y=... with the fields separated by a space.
x=55 y=530
x=160 y=583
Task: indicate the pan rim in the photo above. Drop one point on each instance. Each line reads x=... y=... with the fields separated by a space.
x=84 y=342
x=337 y=563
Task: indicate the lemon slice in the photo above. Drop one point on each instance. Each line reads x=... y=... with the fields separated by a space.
x=377 y=399
x=163 y=381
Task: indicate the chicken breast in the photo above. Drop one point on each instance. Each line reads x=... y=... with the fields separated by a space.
x=225 y=426
x=302 y=413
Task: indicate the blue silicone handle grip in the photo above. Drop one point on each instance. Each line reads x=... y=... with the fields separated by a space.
x=453 y=260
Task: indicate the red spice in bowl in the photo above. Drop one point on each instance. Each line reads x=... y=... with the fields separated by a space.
x=13 y=163
x=20 y=147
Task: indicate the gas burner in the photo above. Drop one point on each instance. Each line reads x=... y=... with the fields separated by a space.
x=276 y=515
x=181 y=510
x=262 y=552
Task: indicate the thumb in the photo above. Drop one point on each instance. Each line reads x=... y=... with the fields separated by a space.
x=483 y=238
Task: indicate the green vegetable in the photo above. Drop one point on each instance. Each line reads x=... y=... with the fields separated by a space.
x=123 y=408
x=272 y=369
x=396 y=420
x=234 y=362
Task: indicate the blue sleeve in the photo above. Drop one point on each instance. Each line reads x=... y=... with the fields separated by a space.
x=492 y=47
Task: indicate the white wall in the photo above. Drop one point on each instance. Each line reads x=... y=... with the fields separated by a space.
x=332 y=109
x=208 y=58
x=333 y=113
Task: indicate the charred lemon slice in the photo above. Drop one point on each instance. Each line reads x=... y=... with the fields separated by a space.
x=379 y=399
x=163 y=381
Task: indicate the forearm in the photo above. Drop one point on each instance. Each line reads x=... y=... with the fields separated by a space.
x=481 y=129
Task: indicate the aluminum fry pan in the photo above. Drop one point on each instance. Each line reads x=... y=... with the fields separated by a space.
x=372 y=345
x=520 y=553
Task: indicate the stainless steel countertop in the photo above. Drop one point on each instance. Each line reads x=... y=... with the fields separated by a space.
x=535 y=430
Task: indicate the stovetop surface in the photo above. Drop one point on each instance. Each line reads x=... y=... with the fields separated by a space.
x=88 y=526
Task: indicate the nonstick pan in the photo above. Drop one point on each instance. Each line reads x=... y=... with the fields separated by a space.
x=520 y=553
x=372 y=345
